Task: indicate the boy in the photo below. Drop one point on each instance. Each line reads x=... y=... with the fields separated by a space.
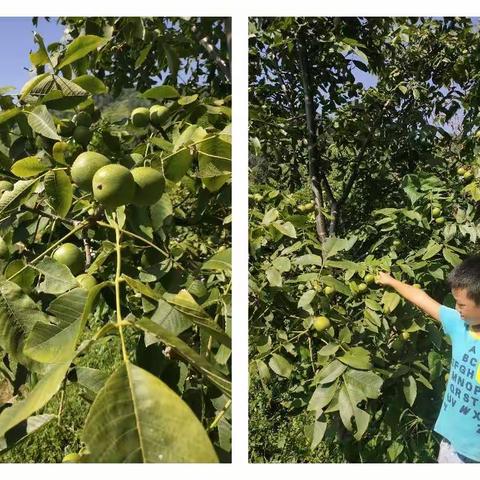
x=459 y=418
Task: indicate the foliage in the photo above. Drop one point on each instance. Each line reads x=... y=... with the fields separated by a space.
x=162 y=295
x=373 y=382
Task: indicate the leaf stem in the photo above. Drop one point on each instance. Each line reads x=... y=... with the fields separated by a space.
x=138 y=237
x=219 y=416
x=118 y=275
x=261 y=357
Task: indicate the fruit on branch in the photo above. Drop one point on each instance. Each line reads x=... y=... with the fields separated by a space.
x=113 y=185
x=84 y=168
x=70 y=255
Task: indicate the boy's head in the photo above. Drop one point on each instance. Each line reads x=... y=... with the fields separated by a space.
x=464 y=281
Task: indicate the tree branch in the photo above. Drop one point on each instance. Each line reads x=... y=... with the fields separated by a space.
x=212 y=52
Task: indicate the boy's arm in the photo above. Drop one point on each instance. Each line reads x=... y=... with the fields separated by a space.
x=413 y=294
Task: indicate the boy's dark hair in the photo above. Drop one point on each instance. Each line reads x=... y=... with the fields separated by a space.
x=466 y=276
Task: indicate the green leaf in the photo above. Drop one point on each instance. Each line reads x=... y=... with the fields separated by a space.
x=136 y=418
x=43 y=391
x=315 y=433
x=321 y=397
x=282 y=264
x=55 y=343
x=58 y=277
x=18 y=315
x=330 y=373
x=274 y=277
x=163 y=91
x=306 y=299
x=432 y=249
x=91 y=378
x=308 y=260
x=451 y=257
x=349 y=409
x=91 y=84
x=390 y=301
x=357 y=357
x=187 y=100
x=186 y=304
x=170 y=319
x=12 y=199
x=32 y=83
x=27 y=427
x=220 y=262
x=25 y=279
x=80 y=47
x=188 y=354
x=140 y=287
x=364 y=384
x=142 y=56
x=270 y=216
x=42 y=122
x=28 y=167
x=280 y=365
x=176 y=165
x=41 y=56
x=410 y=389
x=59 y=190
x=6 y=115
x=286 y=229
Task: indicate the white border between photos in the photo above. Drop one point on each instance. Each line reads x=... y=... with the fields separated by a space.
x=240 y=10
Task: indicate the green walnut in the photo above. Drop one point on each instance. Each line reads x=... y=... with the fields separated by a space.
x=84 y=168
x=158 y=114
x=113 y=186
x=140 y=117
x=150 y=185
x=82 y=135
x=70 y=255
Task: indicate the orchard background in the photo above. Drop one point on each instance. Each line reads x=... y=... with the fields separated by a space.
x=363 y=157
x=115 y=289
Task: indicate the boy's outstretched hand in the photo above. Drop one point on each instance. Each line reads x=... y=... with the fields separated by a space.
x=414 y=295
x=383 y=278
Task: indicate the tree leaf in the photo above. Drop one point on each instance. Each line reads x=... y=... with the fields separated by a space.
x=176 y=165
x=280 y=365
x=137 y=418
x=188 y=354
x=274 y=277
x=80 y=47
x=42 y=122
x=28 y=167
x=7 y=115
x=330 y=372
x=58 y=277
x=91 y=84
x=220 y=262
x=170 y=319
x=55 y=343
x=161 y=92
x=43 y=391
x=59 y=190
x=187 y=100
x=321 y=397
x=357 y=357
x=286 y=229
x=410 y=389
x=186 y=304
x=24 y=430
x=18 y=315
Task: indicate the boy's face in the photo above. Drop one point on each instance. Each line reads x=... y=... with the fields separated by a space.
x=468 y=309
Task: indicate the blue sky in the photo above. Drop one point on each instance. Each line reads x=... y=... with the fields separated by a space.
x=16 y=42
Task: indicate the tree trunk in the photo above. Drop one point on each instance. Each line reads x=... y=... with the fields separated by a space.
x=313 y=156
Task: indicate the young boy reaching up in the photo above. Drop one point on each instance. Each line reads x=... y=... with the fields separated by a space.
x=459 y=419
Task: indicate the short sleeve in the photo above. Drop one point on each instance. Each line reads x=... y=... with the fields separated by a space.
x=450 y=319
